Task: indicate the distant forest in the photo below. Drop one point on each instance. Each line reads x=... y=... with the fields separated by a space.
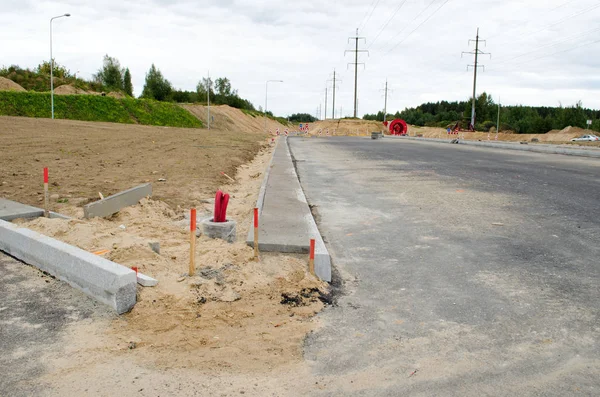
x=521 y=119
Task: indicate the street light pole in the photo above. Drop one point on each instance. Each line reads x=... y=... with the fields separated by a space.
x=52 y=64
x=266 y=95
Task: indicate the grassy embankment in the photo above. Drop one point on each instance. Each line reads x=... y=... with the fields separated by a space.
x=96 y=108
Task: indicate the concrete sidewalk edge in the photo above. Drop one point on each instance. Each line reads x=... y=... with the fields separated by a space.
x=103 y=280
x=548 y=149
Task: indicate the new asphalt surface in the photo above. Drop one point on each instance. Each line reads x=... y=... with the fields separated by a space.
x=465 y=271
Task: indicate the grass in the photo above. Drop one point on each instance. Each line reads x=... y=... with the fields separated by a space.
x=96 y=108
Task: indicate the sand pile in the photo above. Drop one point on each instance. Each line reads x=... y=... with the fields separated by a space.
x=227 y=118
x=554 y=136
x=9 y=85
x=346 y=127
x=68 y=89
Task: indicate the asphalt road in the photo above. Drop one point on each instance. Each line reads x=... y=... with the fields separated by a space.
x=466 y=271
x=35 y=310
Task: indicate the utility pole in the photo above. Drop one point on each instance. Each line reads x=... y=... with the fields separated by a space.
x=208 y=98
x=498 y=123
x=325 y=118
x=385 y=90
x=356 y=51
x=477 y=52
x=334 y=87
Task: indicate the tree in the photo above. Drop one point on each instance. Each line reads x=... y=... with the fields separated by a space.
x=43 y=68
x=301 y=118
x=156 y=86
x=127 y=85
x=201 y=89
x=223 y=87
x=111 y=73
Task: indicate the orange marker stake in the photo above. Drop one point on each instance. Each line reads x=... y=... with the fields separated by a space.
x=311 y=260
x=46 y=198
x=192 y=241
x=256 y=233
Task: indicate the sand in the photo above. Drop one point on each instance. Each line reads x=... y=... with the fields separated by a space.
x=226 y=118
x=346 y=127
x=236 y=321
x=9 y=85
x=229 y=317
x=85 y=158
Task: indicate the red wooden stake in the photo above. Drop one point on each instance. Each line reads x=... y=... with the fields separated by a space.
x=311 y=257
x=192 y=241
x=46 y=198
x=256 y=233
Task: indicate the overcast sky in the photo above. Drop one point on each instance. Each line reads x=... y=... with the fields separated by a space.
x=544 y=52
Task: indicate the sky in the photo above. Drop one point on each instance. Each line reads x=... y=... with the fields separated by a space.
x=542 y=52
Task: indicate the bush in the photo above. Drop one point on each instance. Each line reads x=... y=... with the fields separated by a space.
x=96 y=108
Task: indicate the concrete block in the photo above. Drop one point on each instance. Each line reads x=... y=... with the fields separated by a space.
x=105 y=281
x=10 y=210
x=56 y=215
x=146 y=281
x=113 y=204
x=155 y=246
x=223 y=230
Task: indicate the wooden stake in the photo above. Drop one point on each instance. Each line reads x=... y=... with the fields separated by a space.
x=46 y=197
x=192 y=242
x=256 y=233
x=311 y=257
x=228 y=177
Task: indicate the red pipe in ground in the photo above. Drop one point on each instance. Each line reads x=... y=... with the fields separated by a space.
x=221 y=202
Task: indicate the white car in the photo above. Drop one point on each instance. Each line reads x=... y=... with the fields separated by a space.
x=586 y=138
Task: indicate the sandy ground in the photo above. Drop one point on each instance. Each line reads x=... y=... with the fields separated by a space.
x=346 y=127
x=85 y=158
x=554 y=136
x=226 y=118
x=236 y=321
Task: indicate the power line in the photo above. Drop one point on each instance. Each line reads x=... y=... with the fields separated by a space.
x=387 y=23
x=370 y=15
x=421 y=24
x=360 y=26
x=553 y=44
x=517 y=27
x=558 y=22
x=414 y=19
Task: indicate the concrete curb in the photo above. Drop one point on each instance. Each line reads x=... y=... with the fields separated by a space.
x=113 y=204
x=322 y=257
x=306 y=226
x=103 y=280
x=538 y=148
x=263 y=186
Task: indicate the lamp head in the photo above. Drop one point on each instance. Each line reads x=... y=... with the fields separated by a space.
x=67 y=15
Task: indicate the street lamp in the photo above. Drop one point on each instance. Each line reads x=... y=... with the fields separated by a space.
x=52 y=64
x=266 y=93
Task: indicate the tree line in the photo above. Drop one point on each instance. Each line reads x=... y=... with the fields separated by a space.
x=521 y=119
x=113 y=77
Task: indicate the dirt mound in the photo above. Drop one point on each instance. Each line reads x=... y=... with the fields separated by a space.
x=68 y=89
x=116 y=94
x=226 y=118
x=9 y=85
x=346 y=127
x=554 y=136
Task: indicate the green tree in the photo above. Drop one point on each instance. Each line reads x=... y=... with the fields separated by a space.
x=201 y=88
x=59 y=71
x=127 y=85
x=111 y=73
x=223 y=87
x=156 y=86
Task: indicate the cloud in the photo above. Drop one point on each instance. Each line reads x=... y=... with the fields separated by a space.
x=302 y=42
